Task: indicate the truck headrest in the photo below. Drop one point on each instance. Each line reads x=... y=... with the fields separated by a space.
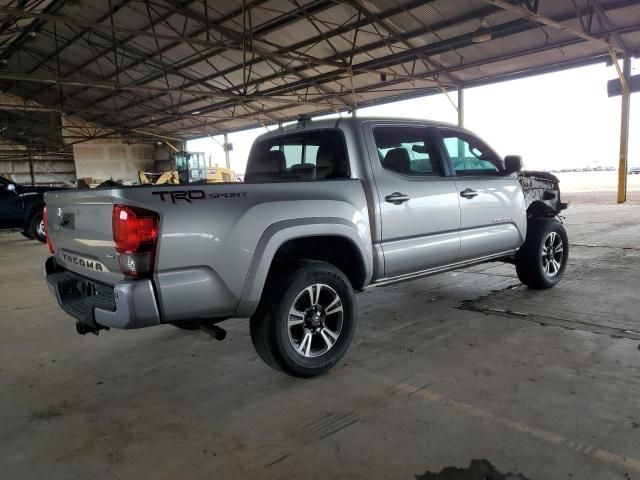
x=266 y=167
x=397 y=160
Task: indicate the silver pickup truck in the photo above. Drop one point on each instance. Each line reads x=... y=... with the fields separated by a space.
x=328 y=208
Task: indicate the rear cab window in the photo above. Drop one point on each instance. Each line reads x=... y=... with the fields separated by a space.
x=299 y=156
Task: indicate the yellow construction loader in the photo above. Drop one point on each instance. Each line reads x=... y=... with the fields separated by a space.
x=190 y=167
x=159 y=178
x=220 y=175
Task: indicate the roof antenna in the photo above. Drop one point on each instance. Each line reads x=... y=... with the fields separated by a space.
x=302 y=119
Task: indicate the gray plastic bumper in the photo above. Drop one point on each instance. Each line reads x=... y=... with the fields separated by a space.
x=127 y=304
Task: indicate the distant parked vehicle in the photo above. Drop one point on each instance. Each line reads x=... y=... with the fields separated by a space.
x=21 y=208
x=587 y=169
x=634 y=171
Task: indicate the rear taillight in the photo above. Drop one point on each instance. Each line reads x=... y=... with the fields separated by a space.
x=135 y=233
x=46 y=230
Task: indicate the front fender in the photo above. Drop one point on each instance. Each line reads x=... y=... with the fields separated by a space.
x=279 y=233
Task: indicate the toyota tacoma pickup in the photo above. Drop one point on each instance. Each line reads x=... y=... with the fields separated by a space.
x=328 y=208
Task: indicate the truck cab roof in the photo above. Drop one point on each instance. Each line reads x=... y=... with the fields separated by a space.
x=350 y=122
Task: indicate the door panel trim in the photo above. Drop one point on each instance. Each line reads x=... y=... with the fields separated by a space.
x=432 y=271
x=432 y=250
x=473 y=241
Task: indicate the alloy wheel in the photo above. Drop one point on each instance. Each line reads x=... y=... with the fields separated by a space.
x=315 y=320
x=40 y=229
x=552 y=254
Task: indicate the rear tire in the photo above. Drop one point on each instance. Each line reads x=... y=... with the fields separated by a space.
x=541 y=261
x=36 y=228
x=306 y=319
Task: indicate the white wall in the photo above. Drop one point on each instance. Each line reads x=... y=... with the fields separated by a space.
x=114 y=159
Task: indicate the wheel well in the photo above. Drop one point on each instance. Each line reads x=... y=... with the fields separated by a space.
x=338 y=251
x=32 y=210
x=540 y=209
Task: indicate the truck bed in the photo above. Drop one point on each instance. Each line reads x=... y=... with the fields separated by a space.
x=210 y=236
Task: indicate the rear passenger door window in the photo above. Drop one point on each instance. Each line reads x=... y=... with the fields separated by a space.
x=407 y=150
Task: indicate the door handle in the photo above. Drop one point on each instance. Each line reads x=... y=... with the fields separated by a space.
x=397 y=198
x=468 y=193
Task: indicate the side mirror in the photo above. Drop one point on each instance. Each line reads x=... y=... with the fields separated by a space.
x=513 y=163
x=11 y=187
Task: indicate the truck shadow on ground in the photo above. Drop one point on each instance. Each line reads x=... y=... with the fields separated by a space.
x=478 y=470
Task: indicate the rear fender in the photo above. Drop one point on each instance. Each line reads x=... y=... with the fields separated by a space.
x=279 y=233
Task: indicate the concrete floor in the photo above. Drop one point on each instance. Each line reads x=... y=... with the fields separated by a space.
x=460 y=366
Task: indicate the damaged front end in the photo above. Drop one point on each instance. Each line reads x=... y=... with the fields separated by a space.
x=541 y=193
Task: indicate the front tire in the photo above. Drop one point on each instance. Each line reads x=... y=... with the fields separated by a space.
x=36 y=228
x=541 y=261
x=306 y=319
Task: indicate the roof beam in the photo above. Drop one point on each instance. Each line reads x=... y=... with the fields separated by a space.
x=35 y=26
x=400 y=57
x=417 y=92
x=603 y=20
x=414 y=92
x=548 y=22
x=141 y=58
x=397 y=36
x=75 y=38
x=296 y=100
x=193 y=61
x=237 y=38
x=178 y=39
x=499 y=31
x=190 y=40
x=340 y=30
x=279 y=22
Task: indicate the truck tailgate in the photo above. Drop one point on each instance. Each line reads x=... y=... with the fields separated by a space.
x=79 y=225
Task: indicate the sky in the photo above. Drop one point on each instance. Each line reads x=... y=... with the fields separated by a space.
x=557 y=120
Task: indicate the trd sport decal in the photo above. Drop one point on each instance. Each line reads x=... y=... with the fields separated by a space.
x=191 y=195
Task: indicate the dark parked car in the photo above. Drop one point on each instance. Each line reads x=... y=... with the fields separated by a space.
x=21 y=208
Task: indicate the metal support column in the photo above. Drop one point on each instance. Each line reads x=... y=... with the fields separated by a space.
x=624 y=132
x=461 y=107
x=33 y=178
x=226 y=150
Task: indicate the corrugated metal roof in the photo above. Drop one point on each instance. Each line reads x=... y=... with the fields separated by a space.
x=185 y=68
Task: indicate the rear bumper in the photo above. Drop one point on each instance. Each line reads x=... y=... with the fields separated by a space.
x=127 y=304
